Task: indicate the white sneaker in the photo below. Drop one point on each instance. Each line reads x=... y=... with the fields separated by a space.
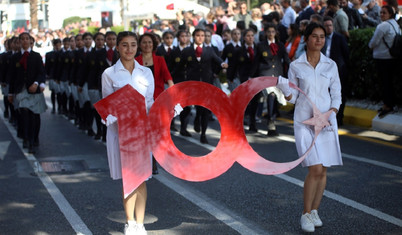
x=141 y=230
x=307 y=223
x=316 y=219
x=130 y=228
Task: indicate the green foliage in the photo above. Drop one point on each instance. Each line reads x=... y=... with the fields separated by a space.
x=363 y=80
x=71 y=19
x=117 y=29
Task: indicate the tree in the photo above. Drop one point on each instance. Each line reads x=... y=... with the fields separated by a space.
x=33 y=10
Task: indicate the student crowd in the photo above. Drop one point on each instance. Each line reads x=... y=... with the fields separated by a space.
x=234 y=43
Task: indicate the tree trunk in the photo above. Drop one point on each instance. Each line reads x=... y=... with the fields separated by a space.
x=33 y=8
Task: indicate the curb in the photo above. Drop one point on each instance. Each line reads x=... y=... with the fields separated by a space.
x=352 y=115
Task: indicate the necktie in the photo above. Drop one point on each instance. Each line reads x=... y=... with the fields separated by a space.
x=237 y=46
x=198 y=51
x=23 y=60
x=251 y=53
x=109 y=54
x=169 y=50
x=274 y=48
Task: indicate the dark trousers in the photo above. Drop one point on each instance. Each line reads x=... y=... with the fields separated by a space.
x=202 y=117
x=387 y=71
x=184 y=116
x=272 y=106
x=251 y=110
x=30 y=125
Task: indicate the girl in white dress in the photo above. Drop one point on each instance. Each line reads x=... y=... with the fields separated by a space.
x=127 y=71
x=318 y=77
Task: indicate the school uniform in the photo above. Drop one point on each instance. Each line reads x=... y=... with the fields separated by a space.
x=231 y=52
x=25 y=69
x=50 y=66
x=84 y=100
x=4 y=63
x=198 y=63
x=166 y=52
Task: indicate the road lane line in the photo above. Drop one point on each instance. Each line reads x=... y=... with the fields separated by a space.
x=223 y=214
x=334 y=196
x=348 y=202
x=69 y=213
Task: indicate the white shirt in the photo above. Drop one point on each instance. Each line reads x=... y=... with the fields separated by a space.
x=114 y=78
x=315 y=82
x=235 y=43
x=289 y=17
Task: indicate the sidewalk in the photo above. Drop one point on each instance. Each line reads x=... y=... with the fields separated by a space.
x=367 y=117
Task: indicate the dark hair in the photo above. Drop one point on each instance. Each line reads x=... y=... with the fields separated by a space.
x=390 y=10
x=24 y=33
x=317 y=17
x=56 y=41
x=110 y=33
x=270 y=25
x=166 y=33
x=332 y=3
x=180 y=32
x=86 y=34
x=124 y=34
x=78 y=35
x=272 y=16
x=246 y=31
x=241 y=25
x=98 y=34
x=198 y=30
x=310 y=28
x=153 y=38
x=66 y=39
x=295 y=32
x=326 y=18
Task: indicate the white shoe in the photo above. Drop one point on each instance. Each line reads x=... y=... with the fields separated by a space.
x=130 y=228
x=316 y=219
x=141 y=230
x=307 y=223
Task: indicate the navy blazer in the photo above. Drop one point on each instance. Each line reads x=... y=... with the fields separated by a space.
x=339 y=53
x=4 y=63
x=231 y=53
x=160 y=51
x=178 y=75
x=267 y=64
x=245 y=63
x=198 y=70
x=19 y=78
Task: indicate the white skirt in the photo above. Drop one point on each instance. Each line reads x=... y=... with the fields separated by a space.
x=326 y=149
x=94 y=96
x=65 y=88
x=74 y=92
x=4 y=90
x=83 y=96
x=34 y=102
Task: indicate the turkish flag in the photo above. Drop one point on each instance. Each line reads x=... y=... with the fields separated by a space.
x=170 y=7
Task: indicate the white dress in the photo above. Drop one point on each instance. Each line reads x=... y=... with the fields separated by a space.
x=114 y=78
x=323 y=87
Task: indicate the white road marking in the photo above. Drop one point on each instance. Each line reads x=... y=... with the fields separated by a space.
x=4 y=148
x=348 y=202
x=199 y=199
x=334 y=196
x=73 y=218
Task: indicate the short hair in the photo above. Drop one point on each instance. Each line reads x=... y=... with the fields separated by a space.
x=167 y=33
x=86 y=34
x=332 y=3
x=56 y=41
x=180 y=32
x=110 y=33
x=248 y=30
x=317 y=17
x=124 y=34
x=197 y=30
x=24 y=33
x=153 y=39
x=66 y=39
x=78 y=35
x=326 y=18
x=98 y=34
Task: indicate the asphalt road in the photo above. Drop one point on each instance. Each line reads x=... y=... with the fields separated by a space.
x=362 y=197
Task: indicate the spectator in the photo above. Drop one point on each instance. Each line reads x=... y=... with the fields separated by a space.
x=293 y=41
x=265 y=8
x=386 y=65
x=257 y=18
x=372 y=14
x=341 y=21
x=243 y=14
x=306 y=11
x=316 y=18
x=289 y=16
x=201 y=22
x=301 y=47
x=337 y=49
x=355 y=20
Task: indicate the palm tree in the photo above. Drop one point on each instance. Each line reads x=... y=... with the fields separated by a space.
x=33 y=9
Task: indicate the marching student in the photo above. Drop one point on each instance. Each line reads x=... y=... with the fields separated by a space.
x=26 y=78
x=197 y=62
x=75 y=67
x=50 y=68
